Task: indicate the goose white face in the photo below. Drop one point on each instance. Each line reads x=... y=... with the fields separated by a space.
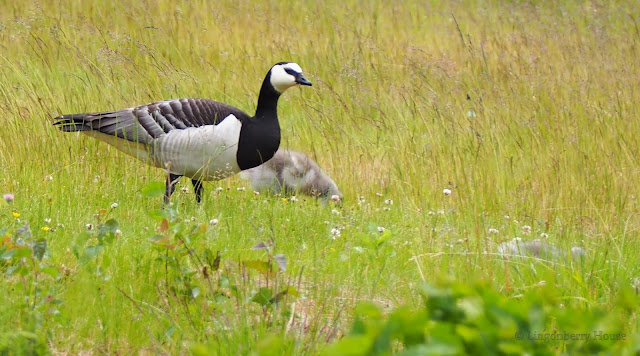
x=286 y=75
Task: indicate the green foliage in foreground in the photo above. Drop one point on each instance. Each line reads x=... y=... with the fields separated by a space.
x=460 y=319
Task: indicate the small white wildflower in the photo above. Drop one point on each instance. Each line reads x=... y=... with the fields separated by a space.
x=60 y=225
x=542 y=283
x=544 y=235
x=114 y=205
x=117 y=232
x=381 y=229
x=335 y=232
x=193 y=218
x=446 y=191
x=389 y=201
x=335 y=198
x=326 y=222
x=219 y=189
x=240 y=189
x=406 y=243
x=386 y=208
x=335 y=212
x=507 y=217
x=441 y=212
x=493 y=231
x=47 y=220
x=213 y=222
x=96 y=179
x=255 y=192
x=293 y=199
x=184 y=189
x=49 y=178
x=431 y=213
x=89 y=226
x=361 y=200
x=379 y=194
x=526 y=229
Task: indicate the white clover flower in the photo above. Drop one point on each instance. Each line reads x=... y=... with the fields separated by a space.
x=335 y=232
x=526 y=229
x=493 y=231
x=335 y=212
x=386 y=208
x=219 y=189
x=89 y=226
x=544 y=235
x=47 y=220
x=213 y=222
x=441 y=212
x=335 y=198
x=255 y=192
x=293 y=199
x=379 y=194
x=446 y=191
x=389 y=201
x=381 y=229
x=49 y=178
x=114 y=205
x=240 y=189
x=117 y=232
x=507 y=217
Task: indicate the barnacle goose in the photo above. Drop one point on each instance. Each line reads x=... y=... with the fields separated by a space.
x=198 y=138
x=290 y=172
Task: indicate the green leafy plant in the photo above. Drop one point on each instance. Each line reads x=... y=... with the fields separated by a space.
x=459 y=319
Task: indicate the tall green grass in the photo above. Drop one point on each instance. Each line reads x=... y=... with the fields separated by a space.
x=527 y=111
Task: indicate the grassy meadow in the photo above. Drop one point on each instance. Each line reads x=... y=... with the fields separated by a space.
x=527 y=111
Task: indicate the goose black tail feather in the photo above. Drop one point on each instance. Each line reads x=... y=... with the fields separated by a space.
x=71 y=123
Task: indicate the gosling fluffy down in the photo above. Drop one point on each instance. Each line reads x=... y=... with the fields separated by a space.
x=291 y=172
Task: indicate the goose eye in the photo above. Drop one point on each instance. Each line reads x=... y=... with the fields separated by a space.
x=291 y=71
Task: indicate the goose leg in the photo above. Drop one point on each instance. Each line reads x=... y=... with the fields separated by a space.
x=171 y=186
x=197 y=187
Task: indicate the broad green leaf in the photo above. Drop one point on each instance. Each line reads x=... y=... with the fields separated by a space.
x=154 y=189
x=39 y=248
x=258 y=265
x=263 y=297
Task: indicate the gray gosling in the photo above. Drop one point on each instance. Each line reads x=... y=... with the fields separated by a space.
x=539 y=249
x=291 y=172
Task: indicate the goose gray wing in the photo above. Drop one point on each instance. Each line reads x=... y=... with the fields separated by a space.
x=144 y=123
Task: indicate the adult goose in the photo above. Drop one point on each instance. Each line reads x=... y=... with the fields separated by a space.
x=198 y=138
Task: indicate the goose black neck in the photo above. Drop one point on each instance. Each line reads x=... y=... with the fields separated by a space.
x=267 y=100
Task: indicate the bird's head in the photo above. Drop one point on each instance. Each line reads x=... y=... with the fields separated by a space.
x=284 y=75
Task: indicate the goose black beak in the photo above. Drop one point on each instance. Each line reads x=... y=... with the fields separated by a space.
x=300 y=79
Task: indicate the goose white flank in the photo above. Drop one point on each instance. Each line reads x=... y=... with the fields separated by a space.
x=198 y=138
